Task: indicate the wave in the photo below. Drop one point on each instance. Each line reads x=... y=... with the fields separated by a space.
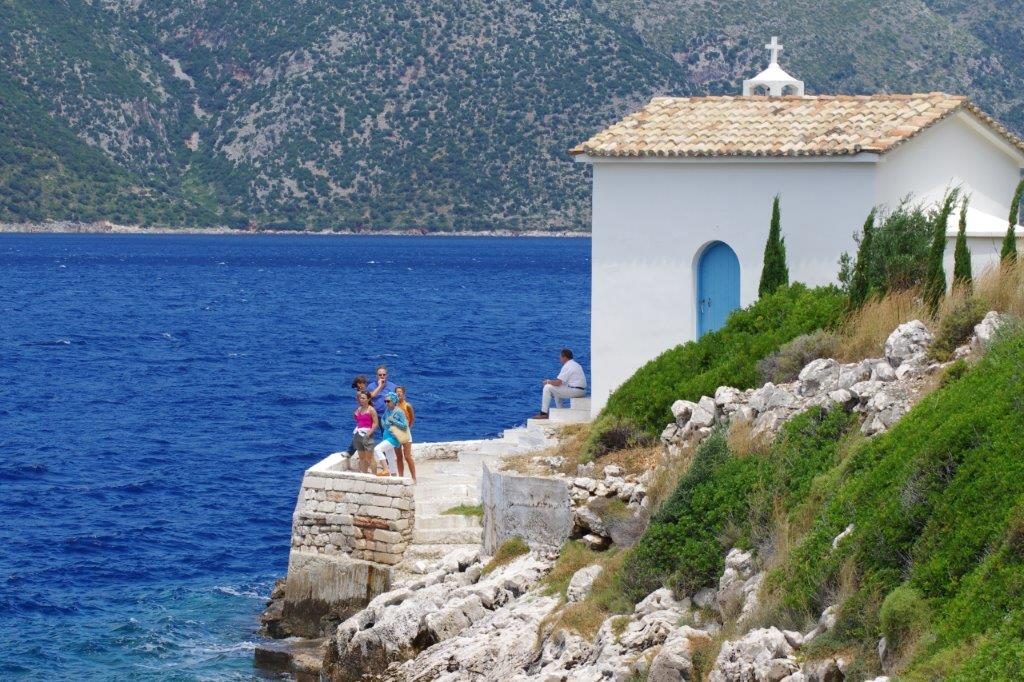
x=55 y=343
x=236 y=592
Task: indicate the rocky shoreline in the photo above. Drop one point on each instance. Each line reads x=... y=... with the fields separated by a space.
x=106 y=227
x=469 y=616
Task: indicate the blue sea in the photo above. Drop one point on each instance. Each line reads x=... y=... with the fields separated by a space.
x=161 y=395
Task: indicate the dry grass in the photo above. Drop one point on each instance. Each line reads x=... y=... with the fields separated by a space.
x=604 y=601
x=632 y=460
x=742 y=440
x=573 y=556
x=865 y=330
x=571 y=442
x=667 y=475
x=999 y=287
x=1002 y=288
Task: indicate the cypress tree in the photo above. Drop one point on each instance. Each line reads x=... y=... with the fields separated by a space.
x=1008 y=254
x=962 y=255
x=775 y=273
x=860 y=286
x=935 y=285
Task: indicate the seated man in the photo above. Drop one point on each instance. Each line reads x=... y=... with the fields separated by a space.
x=571 y=383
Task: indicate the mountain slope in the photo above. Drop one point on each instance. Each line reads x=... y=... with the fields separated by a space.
x=327 y=114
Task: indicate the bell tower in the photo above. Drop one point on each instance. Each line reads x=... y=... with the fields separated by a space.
x=773 y=81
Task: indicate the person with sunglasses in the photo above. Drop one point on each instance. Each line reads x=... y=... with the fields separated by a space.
x=394 y=419
x=380 y=390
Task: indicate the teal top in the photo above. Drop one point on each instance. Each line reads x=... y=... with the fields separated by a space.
x=394 y=417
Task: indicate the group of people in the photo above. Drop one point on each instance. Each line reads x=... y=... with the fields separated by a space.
x=383 y=410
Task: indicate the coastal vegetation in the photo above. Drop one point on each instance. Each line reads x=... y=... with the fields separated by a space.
x=726 y=357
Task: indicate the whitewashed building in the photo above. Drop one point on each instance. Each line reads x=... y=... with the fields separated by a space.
x=682 y=194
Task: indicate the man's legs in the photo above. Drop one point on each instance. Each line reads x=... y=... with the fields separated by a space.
x=558 y=394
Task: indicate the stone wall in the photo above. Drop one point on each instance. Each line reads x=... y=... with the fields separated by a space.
x=348 y=531
x=345 y=512
x=536 y=509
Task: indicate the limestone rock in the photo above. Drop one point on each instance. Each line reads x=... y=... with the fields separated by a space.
x=738 y=585
x=706 y=598
x=587 y=521
x=727 y=397
x=705 y=414
x=842 y=397
x=397 y=625
x=819 y=375
x=883 y=371
x=582 y=582
x=909 y=370
x=770 y=397
x=985 y=330
x=613 y=471
x=908 y=342
x=673 y=661
x=595 y=542
x=588 y=484
x=853 y=373
x=768 y=423
x=762 y=654
x=670 y=433
x=822 y=671
x=659 y=600
x=682 y=410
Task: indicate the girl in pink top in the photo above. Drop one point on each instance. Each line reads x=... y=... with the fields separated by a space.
x=366 y=423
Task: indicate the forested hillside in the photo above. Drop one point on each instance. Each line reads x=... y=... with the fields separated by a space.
x=429 y=115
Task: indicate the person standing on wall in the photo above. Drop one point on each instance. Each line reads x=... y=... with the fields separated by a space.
x=379 y=391
x=571 y=383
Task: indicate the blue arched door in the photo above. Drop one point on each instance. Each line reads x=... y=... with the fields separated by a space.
x=718 y=287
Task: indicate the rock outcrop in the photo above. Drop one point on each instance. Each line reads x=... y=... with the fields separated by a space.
x=882 y=389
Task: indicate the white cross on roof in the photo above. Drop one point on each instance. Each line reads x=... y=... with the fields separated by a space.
x=775 y=48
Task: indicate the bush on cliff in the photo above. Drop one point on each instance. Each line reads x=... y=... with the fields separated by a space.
x=728 y=356
x=937 y=505
x=726 y=500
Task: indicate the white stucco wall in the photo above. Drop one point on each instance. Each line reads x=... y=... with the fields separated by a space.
x=952 y=153
x=652 y=218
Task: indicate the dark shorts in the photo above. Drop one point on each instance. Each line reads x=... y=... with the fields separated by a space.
x=362 y=442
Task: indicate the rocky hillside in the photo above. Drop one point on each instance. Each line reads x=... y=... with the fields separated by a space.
x=395 y=115
x=875 y=532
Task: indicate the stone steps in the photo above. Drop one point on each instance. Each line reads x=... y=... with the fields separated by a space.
x=568 y=415
x=448 y=536
x=447 y=483
x=447 y=521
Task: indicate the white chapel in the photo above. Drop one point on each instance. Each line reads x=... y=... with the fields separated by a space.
x=683 y=188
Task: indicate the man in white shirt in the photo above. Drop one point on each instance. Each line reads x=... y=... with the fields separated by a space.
x=571 y=383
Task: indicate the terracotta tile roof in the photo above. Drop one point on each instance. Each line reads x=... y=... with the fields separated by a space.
x=778 y=126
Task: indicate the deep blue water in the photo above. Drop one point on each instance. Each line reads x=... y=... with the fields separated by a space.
x=160 y=397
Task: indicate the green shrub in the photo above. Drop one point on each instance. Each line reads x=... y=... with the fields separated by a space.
x=510 y=549
x=728 y=356
x=611 y=433
x=903 y=616
x=466 y=510
x=934 y=502
x=955 y=371
x=785 y=364
x=896 y=254
x=957 y=327
x=724 y=500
